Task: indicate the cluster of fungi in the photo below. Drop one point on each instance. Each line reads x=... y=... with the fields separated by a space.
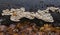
x=27 y=27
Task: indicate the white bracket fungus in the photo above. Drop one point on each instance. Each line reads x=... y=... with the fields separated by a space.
x=17 y=14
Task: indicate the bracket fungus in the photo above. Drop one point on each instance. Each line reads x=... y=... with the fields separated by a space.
x=17 y=14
